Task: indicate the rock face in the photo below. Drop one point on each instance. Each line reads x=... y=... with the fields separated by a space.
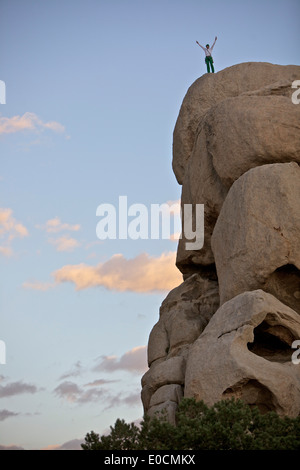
x=263 y=205
x=246 y=352
x=252 y=78
x=183 y=316
x=228 y=329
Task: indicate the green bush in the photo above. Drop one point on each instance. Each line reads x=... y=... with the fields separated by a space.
x=228 y=425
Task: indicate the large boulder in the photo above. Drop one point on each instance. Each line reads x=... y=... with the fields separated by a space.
x=234 y=134
x=246 y=352
x=211 y=89
x=168 y=372
x=270 y=133
x=257 y=235
x=183 y=316
x=228 y=329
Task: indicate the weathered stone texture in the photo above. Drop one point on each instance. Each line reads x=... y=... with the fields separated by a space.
x=245 y=352
x=258 y=232
x=227 y=330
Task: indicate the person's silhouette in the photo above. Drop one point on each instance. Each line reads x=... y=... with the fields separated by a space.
x=208 y=57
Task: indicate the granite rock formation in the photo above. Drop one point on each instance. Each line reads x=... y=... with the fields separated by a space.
x=228 y=329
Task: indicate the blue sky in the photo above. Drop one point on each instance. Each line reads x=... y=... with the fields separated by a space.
x=93 y=90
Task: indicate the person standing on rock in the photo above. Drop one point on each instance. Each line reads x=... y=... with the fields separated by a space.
x=208 y=57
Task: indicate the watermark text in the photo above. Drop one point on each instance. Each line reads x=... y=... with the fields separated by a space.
x=2 y=352
x=161 y=221
x=2 y=92
x=295 y=99
x=295 y=358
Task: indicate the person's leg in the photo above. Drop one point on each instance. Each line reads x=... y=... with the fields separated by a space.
x=212 y=65
x=207 y=64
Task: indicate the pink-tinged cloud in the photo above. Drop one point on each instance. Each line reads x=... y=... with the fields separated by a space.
x=6 y=251
x=52 y=447
x=38 y=285
x=11 y=447
x=143 y=273
x=98 y=382
x=175 y=236
x=64 y=243
x=175 y=206
x=55 y=225
x=28 y=122
x=74 y=444
x=134 y=360
x=10 y=228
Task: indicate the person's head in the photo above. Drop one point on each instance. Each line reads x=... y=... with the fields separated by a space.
x=207 y=46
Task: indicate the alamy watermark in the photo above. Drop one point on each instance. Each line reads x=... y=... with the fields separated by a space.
x=2 y=343
x=137 y=222
x=295 y=99
x=2 y=92
x=2 y=352
x=295 y=358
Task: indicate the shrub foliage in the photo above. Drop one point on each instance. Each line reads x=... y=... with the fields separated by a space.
x=228 y=425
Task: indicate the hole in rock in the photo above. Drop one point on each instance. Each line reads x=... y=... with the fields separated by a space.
x=188 y=268
x=272 y=342
x=284 y=284
x=253 y=393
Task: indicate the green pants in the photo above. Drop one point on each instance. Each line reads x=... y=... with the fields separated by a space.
x=209 y=60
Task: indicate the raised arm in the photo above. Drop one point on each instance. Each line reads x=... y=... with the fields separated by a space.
x=213 y=43
x=200 y=45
